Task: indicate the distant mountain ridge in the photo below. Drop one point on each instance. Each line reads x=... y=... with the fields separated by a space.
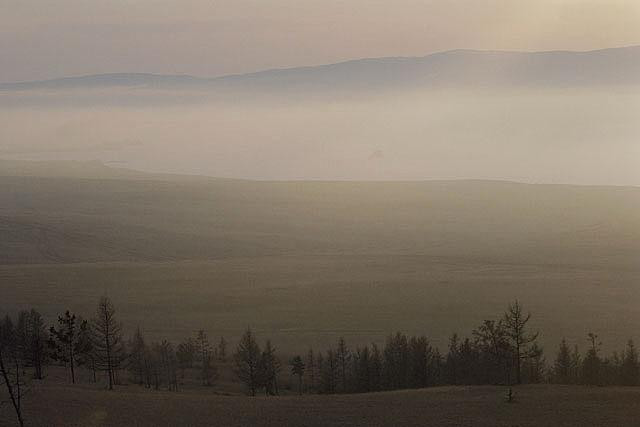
x=104 y=80
x=614 y=66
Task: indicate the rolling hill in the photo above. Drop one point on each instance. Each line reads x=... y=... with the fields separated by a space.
x=51 y=218
x=425 y=257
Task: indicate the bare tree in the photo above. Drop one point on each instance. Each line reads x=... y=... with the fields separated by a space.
x=208 y=371
x=107 y=339
x=186 y=354
x=591 y=365
x=164 y=365
x=491 y=340
x=171 y=364
x=32 y=340
x=269 y=369
x=535 y=366
x=515 y=324
x=11 y=366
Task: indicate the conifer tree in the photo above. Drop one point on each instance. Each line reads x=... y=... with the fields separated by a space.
x=297 y=369
x=69 y=341
x=138 y=357
x=629 y=367
x=453 y=361
x=344 y=356
x=375 y=366
x=418 y=362
x=563 y=365
x=320 y=388
x=396 y=362
x=330 y=372
x=222 y=350
x=247 y=360
x=311 y=369
x=576 y=365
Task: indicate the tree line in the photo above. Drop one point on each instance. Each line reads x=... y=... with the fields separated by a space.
x=503 y=351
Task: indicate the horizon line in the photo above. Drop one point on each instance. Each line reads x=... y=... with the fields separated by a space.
x=151 y=174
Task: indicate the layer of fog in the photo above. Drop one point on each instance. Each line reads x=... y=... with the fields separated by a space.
x=581 y=136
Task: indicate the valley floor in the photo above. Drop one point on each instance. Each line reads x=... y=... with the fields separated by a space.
x=540 y=405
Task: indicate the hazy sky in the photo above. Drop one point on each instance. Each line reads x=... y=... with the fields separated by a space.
x=46 y=38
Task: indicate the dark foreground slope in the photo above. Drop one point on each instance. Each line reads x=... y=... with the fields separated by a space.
x=443 y=406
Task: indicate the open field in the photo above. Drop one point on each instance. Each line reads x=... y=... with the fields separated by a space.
x=306 y=262
x=543 y=405
x=308 y=300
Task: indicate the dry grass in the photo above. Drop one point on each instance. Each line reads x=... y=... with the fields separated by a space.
x=178 y=254
x=302 y=301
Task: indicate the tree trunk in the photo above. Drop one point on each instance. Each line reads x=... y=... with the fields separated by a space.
x=15 y=400
x=109 y=369
x=73 y=374
x=518 y=360
x=18 y=391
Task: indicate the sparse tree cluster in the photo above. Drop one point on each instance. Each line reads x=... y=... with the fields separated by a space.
x=257 y=369
x=499 y=351
x=621 y=368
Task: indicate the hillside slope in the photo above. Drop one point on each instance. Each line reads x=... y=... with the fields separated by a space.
x=142 y=217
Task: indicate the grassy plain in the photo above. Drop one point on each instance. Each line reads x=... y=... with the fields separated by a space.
x=306 y=262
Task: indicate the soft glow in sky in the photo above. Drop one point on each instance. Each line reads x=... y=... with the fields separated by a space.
x=42 y=39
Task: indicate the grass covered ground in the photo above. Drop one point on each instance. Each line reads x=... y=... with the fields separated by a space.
x=304 y=263
x=302 y=301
